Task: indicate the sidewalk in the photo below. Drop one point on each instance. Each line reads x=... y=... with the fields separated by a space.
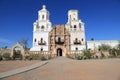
x=21 y=70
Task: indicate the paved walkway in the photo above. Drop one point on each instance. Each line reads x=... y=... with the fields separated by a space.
x=67 y=69
x=21 y=70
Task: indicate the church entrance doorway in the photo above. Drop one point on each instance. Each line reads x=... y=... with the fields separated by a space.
x=59 y=52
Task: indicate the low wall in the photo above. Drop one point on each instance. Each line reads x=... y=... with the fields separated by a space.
x=2 y=51
x=73 y=54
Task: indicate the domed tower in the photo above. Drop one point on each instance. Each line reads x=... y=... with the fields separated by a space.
x=42 y=27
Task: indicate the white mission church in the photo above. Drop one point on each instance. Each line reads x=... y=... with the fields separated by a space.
x=62 y=39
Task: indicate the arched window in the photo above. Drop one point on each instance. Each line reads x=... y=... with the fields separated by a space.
x=42 y=16
x=41 y=49
x=41 y=40
x=75 y=26
x=80 y=25
x=37 y=27
x=76 y=48
x=82 y=39
x=59 y=39
x=35 y=40
x=76 y=39
x=42 y=27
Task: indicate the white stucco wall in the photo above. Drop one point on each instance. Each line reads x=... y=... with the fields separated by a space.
x=80 y=47
x=95 y=44
x=38 y=36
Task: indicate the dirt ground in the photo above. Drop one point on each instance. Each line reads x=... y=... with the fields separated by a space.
x=66 y=69
x=10 y=65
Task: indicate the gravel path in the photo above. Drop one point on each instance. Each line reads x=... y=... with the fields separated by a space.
x=66 y=69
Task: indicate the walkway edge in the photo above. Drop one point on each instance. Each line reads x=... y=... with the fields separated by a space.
x=21 y=70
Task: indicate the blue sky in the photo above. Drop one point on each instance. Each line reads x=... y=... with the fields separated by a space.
x=101 y=18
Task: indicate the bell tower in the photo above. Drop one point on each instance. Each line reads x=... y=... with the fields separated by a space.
x=43 y=23
x=74 y=23
x=42 y=27
x=76 y=30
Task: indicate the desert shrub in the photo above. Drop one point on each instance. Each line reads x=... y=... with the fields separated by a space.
x=80 y=56
x=87 y=54
x=6 y=56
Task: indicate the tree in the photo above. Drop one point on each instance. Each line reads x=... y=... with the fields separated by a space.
x=92 y=39
x=24 y=43
x=5 y=47
x=104 y=47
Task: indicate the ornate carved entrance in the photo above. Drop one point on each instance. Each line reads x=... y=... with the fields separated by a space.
x=59 y=39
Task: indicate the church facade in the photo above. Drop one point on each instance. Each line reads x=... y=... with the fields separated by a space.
x=60 y=39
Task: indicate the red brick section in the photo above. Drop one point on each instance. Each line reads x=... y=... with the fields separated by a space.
x=66 y=69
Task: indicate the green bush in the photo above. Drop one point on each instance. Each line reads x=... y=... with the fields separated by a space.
x=80 y=56
x=6 y=56
x=87 y=54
